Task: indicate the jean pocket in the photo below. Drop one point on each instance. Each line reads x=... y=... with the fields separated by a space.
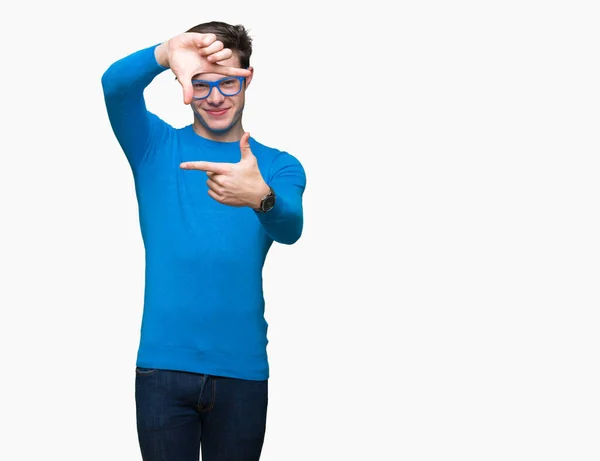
x=145 y=371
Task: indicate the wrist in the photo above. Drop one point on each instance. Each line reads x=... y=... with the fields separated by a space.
x=262 y=190
x=161 y=55
x=267 y=202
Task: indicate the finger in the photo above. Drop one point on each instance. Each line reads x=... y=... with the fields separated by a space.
x=231 y=71
x=245 y=146
x=216 y=178
x=219 y=168
x=215 y=196
x=186 y=83
x=214 y=47
x=215 y=187
x=220 y=55
x=194 y=39
x=202 y=40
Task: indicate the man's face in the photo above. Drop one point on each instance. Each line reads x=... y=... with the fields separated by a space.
x=218 y=114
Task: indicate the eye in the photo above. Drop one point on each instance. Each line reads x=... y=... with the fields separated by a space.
x=200 y=86
x=229 y=83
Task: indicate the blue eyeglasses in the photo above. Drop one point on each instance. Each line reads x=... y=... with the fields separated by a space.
x=228 y=86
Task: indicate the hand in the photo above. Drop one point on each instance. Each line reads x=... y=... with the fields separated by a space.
x=193 y=53
x=234 y=184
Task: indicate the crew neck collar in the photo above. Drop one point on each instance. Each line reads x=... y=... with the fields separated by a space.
x=208 y=142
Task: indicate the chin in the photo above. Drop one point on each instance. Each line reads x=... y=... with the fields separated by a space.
x=220 y=128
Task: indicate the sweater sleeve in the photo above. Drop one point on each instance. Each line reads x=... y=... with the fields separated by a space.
x=137 y=130
x=287 y=178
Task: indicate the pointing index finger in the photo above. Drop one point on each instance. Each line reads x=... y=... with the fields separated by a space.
x=231 y=71
x=219 y=168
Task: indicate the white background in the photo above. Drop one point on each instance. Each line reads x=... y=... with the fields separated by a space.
x=443 y=300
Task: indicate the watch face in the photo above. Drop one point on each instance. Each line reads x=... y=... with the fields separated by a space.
x=268 y=203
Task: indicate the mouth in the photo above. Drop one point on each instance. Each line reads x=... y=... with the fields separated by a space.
x=216 y=113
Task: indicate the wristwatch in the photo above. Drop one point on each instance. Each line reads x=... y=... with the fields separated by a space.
x=267 y=202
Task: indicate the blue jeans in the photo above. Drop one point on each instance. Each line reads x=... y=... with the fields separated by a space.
x=180 y=413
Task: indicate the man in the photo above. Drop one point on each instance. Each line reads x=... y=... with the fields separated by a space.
x=202 y=369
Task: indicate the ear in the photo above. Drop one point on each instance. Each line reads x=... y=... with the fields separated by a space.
x=249 y=78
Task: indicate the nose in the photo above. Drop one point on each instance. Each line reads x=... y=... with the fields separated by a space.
x=215 y=97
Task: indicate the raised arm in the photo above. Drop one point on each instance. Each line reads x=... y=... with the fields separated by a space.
x=188 y=54
x=123 y=83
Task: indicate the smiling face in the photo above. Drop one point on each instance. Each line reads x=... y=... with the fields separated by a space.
x=219 y=117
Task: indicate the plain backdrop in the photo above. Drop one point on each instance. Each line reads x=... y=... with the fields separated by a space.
x=443 y=301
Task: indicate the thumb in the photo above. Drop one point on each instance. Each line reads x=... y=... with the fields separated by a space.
x=185 y=81
x=245 y=146
x=188 y=91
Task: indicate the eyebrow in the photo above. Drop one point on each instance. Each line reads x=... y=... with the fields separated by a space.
x=212 y=81
x=203 y=80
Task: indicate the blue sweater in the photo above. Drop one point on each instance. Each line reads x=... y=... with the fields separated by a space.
x=203 y=298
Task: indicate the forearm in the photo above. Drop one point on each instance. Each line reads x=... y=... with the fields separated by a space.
x=284 y=222
x=128 y=77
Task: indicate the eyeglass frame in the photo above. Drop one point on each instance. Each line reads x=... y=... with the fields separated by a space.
x=215 y=84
